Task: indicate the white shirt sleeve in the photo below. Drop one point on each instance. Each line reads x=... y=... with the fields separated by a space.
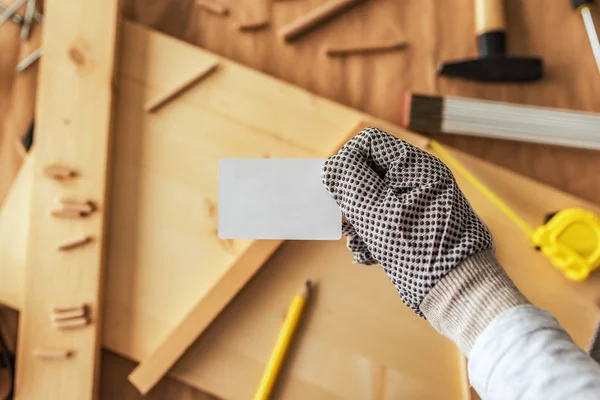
x=524 y=354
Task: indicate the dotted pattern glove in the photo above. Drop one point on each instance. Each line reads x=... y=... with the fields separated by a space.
x=404 y=210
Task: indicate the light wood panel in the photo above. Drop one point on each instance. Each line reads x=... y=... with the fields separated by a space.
x=162 y=230
x=237 y=344
x=78 y=67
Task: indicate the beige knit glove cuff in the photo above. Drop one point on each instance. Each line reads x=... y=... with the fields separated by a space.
x=469 y=297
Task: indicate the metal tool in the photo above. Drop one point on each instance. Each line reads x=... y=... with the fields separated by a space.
x=27 y=19
x=493 y=65
x=584 y=7
x=16 y=18
x=11 y=10
x=27 y=61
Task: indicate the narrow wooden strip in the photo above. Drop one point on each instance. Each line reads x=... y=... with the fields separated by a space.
x=213 y=7
x=366 y=48
x=163 y=98
x=71 y=244
x=61 y=316
x=71 y=323
x=68 y=213
x=253 y=26
x=50 y=354
x=316 y=17
x=65 y=309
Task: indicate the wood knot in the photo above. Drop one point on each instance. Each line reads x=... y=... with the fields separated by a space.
x=77 y=55
x=213 y=210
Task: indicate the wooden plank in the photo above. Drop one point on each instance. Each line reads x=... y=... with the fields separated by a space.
x=163 y=241
x=162 y=98
x=146 y=375
x=14 y=226
x=80 y=43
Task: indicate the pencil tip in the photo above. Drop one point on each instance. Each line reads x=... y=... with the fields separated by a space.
x=308 y=285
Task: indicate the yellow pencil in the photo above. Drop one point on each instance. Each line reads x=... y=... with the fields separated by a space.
x=290 y=325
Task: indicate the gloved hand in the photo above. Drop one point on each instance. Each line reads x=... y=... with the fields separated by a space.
x=404 y=210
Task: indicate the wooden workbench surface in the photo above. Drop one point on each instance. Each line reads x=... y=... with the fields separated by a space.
x=436 y=31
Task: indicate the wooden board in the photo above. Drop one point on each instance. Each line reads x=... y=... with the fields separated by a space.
x=14 y=226
x=157 y=269
x=78 y=66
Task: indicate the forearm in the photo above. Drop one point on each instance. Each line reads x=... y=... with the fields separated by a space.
x=525 y=354
x=515 y=350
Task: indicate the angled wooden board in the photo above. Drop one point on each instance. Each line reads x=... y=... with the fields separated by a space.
x=359 y=340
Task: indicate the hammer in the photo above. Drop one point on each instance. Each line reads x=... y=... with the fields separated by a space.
x=493 y=65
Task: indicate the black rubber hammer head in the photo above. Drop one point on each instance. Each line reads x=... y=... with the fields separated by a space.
x=493 y=65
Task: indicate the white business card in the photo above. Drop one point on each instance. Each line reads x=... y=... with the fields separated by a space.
x=276 y=199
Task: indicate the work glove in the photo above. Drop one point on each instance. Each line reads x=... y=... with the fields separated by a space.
x=404 y=210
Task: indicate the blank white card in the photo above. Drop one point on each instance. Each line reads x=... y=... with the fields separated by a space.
x=276 y=199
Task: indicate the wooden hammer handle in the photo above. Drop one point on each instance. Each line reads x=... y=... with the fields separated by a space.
x=489 y=16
